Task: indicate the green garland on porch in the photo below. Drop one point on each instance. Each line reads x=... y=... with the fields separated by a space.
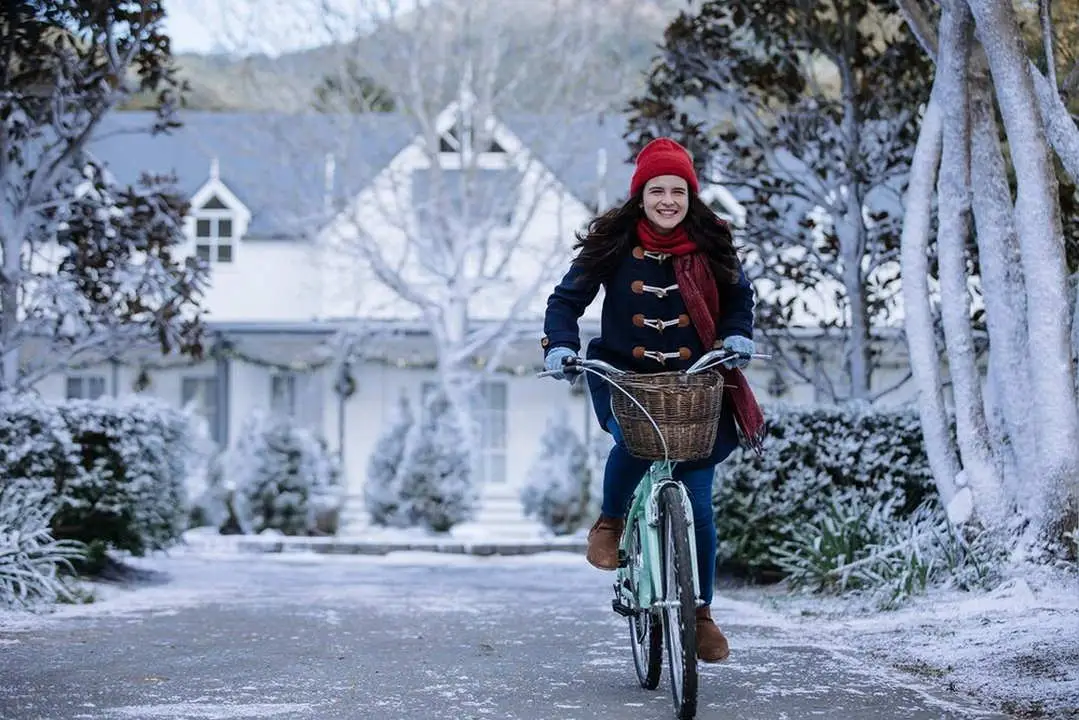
x=345 y=384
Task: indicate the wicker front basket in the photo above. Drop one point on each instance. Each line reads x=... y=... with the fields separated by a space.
x=686 y=408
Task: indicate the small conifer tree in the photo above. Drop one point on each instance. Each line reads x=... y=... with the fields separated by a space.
x=382 y=491
x=435 y=476
x=557 y=489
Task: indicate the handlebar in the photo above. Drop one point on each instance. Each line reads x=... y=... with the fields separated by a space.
x=580 y=364
x=709 y=360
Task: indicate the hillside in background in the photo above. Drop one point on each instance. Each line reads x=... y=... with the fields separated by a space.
x=625 y=45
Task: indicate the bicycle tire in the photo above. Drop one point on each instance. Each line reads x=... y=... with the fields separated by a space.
x=646 y=627
x=679 y=618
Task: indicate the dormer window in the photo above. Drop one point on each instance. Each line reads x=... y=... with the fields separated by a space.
x=218 y=220
x=215 y=237
x=462 y=139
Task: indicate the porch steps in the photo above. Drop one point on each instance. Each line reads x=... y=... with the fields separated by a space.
x=354 y=518
x=500 y=515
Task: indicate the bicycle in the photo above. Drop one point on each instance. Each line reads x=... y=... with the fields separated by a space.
x=656 y=584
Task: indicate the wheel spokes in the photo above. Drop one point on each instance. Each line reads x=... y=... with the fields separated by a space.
x=673 y=614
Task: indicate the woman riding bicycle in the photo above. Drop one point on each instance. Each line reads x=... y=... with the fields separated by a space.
x=674 y=289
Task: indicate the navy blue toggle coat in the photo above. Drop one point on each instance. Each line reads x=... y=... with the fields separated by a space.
x=644 y=325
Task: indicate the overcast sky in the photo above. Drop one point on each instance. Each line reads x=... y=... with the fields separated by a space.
x=266 y=26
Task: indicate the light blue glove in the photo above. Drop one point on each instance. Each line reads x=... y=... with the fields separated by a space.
x=554 y=361
x=741 y=345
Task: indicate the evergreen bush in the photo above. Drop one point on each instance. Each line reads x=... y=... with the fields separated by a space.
x=437 y=486
x=816 y=459
x=382 y=489
x=283 y=476
x=556 y=491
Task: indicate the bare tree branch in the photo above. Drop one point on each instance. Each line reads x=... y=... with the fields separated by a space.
x=1059 y=125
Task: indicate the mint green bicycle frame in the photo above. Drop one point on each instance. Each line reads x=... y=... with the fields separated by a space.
x=645 y=508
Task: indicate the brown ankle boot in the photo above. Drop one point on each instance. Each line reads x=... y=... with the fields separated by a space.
x=603 y=542
x=711 y=643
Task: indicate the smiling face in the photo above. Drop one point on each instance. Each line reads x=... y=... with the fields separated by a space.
x=666 y=201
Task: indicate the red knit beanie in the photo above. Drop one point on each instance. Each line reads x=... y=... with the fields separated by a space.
x=663 y=156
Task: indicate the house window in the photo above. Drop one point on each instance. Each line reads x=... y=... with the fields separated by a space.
x=200 y=394
x=462 y=138
x=85 y=387
x=215 y=237
x=489 y=415
x=283 y=394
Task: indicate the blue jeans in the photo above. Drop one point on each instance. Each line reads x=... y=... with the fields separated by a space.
x=624 y=472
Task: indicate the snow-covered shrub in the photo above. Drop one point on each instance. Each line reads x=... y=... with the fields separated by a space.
x=30 y=559
x=865 y=547
x=815 y=456
x=438 y=490
x=115 y=469
x=127 y=489
x=36 y=448
x=282 y=475
x=556 y=490
x=382 y=489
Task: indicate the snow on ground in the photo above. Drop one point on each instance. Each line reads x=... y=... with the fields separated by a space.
x=185 y=577
x=1016 y=647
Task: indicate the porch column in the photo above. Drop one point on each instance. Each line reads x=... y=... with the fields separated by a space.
x=222 y=367
x=115 y=363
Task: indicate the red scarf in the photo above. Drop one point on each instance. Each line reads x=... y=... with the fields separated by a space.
x=699 y=291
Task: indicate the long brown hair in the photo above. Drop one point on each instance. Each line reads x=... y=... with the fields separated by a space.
x=612 y=235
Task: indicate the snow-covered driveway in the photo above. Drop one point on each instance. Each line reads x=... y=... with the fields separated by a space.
x=406 y=636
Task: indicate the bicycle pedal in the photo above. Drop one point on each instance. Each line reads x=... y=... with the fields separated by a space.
x=623 y=558
x=622 y=609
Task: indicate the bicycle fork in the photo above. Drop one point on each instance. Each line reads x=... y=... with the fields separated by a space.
x=648 y=594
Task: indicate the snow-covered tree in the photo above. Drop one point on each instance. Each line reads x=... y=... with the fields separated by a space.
x=557 y=488
x=804 y=110
x=87 y=265
x=446 y=237
x=283 y=476
x=206 y=493
x=382 y=489
x=1018 y=447
x=347 y=89
x=436 y=481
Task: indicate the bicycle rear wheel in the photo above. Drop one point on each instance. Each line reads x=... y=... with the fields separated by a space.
x=680 y=604
x=645 y=627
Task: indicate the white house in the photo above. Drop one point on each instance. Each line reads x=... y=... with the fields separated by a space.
x=280 y=208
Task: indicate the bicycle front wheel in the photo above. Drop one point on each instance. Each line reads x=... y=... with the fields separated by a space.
x=645 y=626
x=680 y=604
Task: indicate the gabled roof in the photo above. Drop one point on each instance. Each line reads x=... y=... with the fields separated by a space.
x=276 y=164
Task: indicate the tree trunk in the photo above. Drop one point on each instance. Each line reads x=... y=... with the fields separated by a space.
x=996 y=418
x=1059 y=125
x=1004 y=291
x=850 y=227
x=1056 y=417
x=1060 y=128
x=10 y=280
x=953 y=188
x=918 y=315
x=458 y=380
x=851 y=231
